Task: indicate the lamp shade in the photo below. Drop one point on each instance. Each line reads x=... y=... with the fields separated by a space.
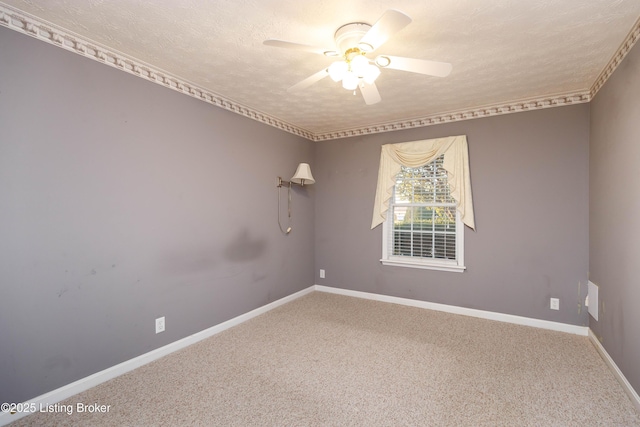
x=303 y=175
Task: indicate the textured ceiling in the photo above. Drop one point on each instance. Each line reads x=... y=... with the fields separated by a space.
x=502 y=51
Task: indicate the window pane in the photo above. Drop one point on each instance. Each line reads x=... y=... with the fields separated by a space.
x=424 y=184
x=400 y=215
x=423 y=245
x=445 y=219
x=402 y=243
x=423 y=231
x=422 y=191
x=423 y=218
x=444 y=246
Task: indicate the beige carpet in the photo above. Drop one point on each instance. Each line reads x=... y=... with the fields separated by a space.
x=330 y=360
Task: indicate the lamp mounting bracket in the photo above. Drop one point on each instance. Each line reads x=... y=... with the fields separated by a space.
x=281 y=183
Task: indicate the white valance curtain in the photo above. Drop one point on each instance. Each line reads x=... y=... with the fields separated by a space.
x=419 y=153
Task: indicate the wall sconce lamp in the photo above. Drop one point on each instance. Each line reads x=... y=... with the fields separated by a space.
x=301 y=177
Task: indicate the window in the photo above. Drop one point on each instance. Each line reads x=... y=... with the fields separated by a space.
x=423 y=228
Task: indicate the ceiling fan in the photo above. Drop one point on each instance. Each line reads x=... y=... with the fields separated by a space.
x=356 y=40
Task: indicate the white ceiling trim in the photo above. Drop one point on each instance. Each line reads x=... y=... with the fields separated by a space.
x=45 y=31
x=42 y=30
x=474 y=113
x=617 y=58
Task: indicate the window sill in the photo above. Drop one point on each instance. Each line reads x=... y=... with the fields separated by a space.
x=424 y=265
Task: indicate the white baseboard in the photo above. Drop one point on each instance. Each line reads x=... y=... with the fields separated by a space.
x=86 y=383
x=490 y=315
x=633 y=395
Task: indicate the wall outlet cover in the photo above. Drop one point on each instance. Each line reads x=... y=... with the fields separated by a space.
x=159 y=324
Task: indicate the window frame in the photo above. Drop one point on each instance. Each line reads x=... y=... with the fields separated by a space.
x=456 y=265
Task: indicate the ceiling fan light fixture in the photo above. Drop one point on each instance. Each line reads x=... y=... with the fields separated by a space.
x=350 y=81
x=359 y=65
x=337 y=70
x=371 y=74
x=354 y=41
x=383 y=61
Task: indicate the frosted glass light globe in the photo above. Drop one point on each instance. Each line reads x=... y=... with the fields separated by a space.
x=359 y=65
x=350 y=80
x=337 y=70
x=371 y=74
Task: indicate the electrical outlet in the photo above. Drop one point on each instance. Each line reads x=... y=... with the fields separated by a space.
x=321 y=273
x=555 y=304
x=159 y=324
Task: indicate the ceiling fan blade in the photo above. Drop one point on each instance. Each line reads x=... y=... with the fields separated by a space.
x=309 y=81
x=421 y=66
x=390 y=23
x=370 y=93
x=298 y=46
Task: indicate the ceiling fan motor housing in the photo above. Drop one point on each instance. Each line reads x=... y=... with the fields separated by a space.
x=349 y=35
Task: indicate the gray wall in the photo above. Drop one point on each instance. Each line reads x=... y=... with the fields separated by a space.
x=614 y=209
x=529 y=175
x=122 y=201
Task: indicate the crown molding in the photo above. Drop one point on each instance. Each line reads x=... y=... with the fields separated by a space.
x=617 y=58
x=473 y=113
x=42 y=30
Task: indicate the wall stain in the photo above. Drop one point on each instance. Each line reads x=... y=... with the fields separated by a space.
x=62 y=292
x=188 y=262
x=245 y=248
x=579 y=297
x=256 y=277
x=57 y=362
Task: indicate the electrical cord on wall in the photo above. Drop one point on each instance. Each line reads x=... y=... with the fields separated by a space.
x=288 y=230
